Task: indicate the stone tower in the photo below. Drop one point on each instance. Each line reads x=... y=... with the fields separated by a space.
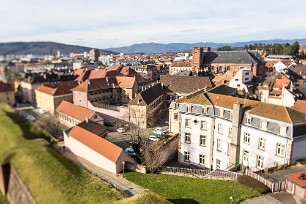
x=197 y=53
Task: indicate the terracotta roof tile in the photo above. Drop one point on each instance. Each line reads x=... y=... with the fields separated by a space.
x=300 y=105
x=78 y=112
x=274 y=112
x=57 y=89
x=96 y=143
x=295 y=178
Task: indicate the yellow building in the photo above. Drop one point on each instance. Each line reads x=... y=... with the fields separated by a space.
x=49 y=96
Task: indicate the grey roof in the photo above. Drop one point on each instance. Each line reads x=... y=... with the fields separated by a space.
x=224 y=90
x=147 y=96
x=234 y=57
x=184 y=73
x=93 y=127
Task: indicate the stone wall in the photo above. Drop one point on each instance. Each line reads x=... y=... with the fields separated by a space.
x=13 y=187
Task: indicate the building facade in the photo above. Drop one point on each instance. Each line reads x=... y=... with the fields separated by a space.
x=220 y=132
x=7 y=94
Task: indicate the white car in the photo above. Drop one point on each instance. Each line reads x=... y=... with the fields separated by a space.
x=153 y=138
x=120 y=130
x=158 y=131
x=42 y=111
x=30 y=118
x=130 y=151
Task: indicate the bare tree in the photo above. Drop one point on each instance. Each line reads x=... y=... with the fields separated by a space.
x=49 y=123
x=152 y=155
x=137 y=124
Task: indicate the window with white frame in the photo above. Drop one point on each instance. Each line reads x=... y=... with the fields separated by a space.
x=204 y=110
x=245 y=158
x=220 y=128
x=249 y=121
x=261 y=143
x=218 y=164
x=203 y=125
x=202 y=140
x=187 y=138
x=246 y=138
x=280 y=148
x=186 y=156
x=175 y=116
x=202 y=159
x=187 y=122
x=219 y=144
x=260 y=161
x=230 y=129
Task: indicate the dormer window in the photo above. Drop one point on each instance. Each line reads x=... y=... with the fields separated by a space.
x=204 y=110
x=249 y=121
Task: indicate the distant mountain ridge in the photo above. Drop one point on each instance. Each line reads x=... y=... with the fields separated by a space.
x=43 y=48
x=175 y=47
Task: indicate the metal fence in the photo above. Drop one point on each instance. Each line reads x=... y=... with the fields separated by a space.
x=183 y=171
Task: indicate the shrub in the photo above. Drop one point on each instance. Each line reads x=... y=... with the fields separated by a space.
x=253 y=183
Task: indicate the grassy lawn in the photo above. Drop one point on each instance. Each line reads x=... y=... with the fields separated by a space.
x=50 y=177
x=191 y=190
x=3 y=199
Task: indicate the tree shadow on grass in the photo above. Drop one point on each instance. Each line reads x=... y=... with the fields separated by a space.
x=183 y=201
x=30 y=131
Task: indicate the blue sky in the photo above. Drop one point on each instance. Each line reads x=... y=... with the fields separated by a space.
x=114 y=23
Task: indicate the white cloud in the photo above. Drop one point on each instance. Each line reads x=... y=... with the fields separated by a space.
x=123 y=22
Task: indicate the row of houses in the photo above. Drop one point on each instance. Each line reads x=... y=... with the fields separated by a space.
x=219 y=131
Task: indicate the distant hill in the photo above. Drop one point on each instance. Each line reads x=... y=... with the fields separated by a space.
x=44 y=48
x=175 y=47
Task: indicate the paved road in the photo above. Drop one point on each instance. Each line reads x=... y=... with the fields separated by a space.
x=275 y=198
x=116 y=181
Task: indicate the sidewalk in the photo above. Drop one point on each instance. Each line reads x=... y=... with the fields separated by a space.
x=116 y=181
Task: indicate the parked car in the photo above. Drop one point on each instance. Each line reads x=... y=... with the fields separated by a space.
x=121 y=130
x=30 y=118
x=153 y=138
x=130 y=151
x=158 y=131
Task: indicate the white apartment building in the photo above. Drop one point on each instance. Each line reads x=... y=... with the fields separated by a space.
x=219 y=132
x=242 y=79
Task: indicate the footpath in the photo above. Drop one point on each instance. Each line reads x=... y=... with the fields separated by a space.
x=116 y=181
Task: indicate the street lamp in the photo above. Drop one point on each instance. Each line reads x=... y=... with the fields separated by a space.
x=123 y=169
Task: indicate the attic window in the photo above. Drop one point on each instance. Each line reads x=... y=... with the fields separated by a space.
x=249 y=121
x=204 y=110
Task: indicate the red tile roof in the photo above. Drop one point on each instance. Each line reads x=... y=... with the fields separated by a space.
x=295 y=178
x=78 y=112
x=300 y=105
x=57 y=89
x=96 y=143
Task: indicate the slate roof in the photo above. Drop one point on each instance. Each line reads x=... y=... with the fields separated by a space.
x=233 y=57
x=93 y=127
x=148 y=95
x=4 y=87
x=96 y=143
x=48 y=78
x=184 y=84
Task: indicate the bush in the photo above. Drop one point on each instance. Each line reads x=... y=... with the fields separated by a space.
x=253 y=183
